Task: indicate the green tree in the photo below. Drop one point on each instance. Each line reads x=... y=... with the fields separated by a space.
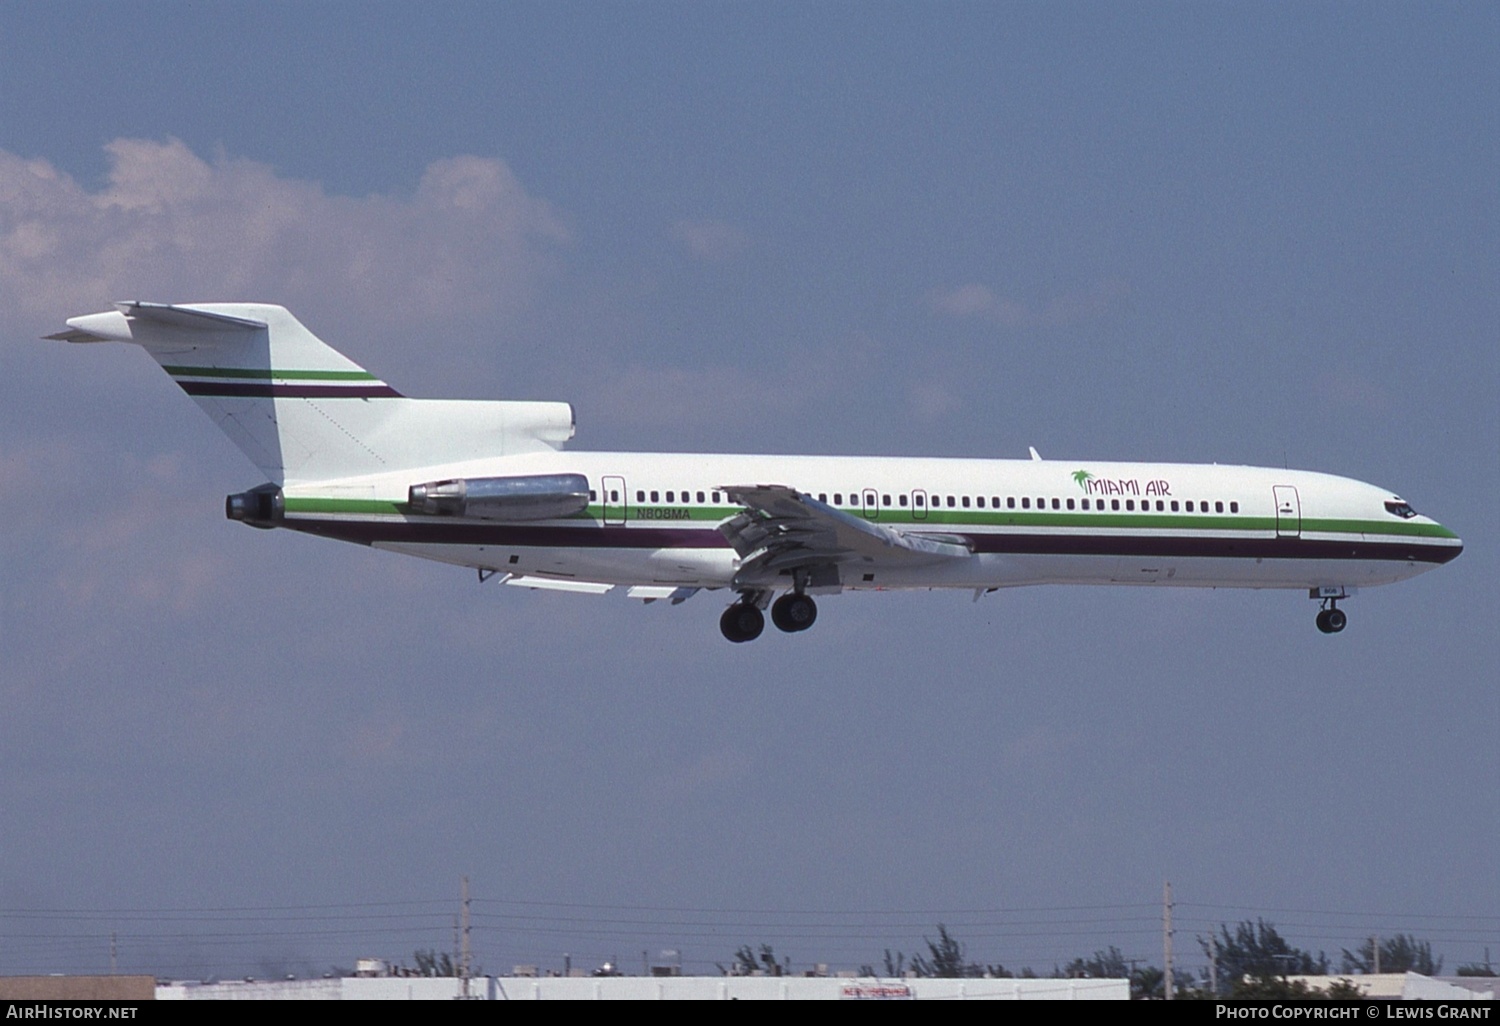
x=747 y=960
x=1344 y=990
x=945 y=958
x=1402 y=953
x=1110 y=964
x=1256 y=952
x=434 y=963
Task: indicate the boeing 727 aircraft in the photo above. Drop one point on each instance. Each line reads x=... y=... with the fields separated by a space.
x=488 y=485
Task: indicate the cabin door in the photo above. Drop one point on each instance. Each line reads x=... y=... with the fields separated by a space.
x=613 y=500
x=1288 y=512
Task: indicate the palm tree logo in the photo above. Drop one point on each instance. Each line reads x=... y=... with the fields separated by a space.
x=1083 y=477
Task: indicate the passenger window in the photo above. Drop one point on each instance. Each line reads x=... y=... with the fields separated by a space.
x=1114 y=504
x=1070 y=503
x=1218 y=507
x=1174 y=505
x=669 y=496
x=1056 y=504
x=700 y=496
x=822 y=497
x=966 y=502
x=979 y=501
x=640 y=496
x=995 y=501
x=1085 y=503
x=716 y=496
x=901 y=498
x=1130 y=505
x=1234 y=507
x=1010 y=502
x=1025 y=502
x=614 y=495
x=885 y=500
x=1190 y=505
x=591 y=495
x=950 y=502
x=916 y=500
x=838 y=498
x=1160 y=506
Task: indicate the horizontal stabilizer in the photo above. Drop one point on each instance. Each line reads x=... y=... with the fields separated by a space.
x=187 y=317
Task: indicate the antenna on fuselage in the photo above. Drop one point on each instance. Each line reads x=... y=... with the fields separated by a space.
x=1034 y=454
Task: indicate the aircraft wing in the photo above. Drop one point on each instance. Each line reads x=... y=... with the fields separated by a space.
x=783 y=529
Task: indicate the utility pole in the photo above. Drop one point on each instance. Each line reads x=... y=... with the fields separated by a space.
x=464 y=959
x=1213 y=965
x=1375 y=952
x=114 y=968
x=1166 y=939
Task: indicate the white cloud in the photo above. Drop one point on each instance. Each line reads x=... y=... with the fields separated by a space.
x=713 y=241
x=977 y=300
x=169 y=225
x=932 y=400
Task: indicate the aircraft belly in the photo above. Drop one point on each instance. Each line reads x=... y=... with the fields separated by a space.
x=992 y=570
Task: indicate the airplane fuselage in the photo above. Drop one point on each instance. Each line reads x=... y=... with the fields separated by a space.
x=652 y=519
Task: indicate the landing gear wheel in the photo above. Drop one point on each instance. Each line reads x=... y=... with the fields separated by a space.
x=742 y=622
x=793 y=612
x=1331 y=621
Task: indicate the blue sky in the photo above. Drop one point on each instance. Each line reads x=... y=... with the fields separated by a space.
x=1256 y=234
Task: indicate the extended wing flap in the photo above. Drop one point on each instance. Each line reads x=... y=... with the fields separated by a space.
x=783 y=529
x=555 y=584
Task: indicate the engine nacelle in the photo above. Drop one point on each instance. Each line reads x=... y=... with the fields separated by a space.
x=529 y=497
x=260 y=507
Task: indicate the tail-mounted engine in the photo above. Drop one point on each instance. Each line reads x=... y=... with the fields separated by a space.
x=530 y=497
x=260 y=507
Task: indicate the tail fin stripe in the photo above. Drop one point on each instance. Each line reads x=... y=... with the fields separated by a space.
x=245 y=390
x=268 y=375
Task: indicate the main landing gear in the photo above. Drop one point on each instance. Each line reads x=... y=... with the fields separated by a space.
x=744 y=620
x=793 y=612
x=1331 y=619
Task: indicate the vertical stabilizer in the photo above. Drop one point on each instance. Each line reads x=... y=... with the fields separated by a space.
x=301 y=410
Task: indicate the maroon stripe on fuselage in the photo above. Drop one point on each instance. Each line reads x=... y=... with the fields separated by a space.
x=253 y=390
x=594 y=536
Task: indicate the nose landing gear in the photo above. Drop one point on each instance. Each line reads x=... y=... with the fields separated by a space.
x=1331 y=619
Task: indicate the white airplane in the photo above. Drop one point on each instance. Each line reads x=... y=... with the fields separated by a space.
x=488 y=485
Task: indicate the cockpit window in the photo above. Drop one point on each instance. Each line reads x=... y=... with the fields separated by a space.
x=1400 y=509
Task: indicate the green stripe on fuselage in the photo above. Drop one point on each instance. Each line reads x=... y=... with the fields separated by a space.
x=662 y=514
x=364 y=506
